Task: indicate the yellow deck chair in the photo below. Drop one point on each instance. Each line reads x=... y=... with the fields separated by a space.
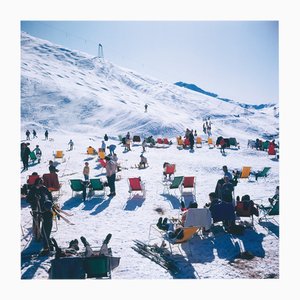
x=245 y=172
x=101 y=154
x=59 y=154
x=198 y=142
x=210 y=142
x=188 y=234
x=179 y=142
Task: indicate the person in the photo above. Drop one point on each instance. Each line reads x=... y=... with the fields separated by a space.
x=223 y=145
x=86 y=171
x=112 y=149
x=227 y=190
x=144 y=144
x=275 y=198
x=37 y=196
x=47 y=223
x=38 y=153
x=111 y=169
x=227 y=173
x=195 y=133
x=213 y=200
x=52 y=168
x=127 y=144
x=34 y=134
x=146 y=107
x=71 y=144
x=249 y=205
x=143 y=162
x=204 y=128
x=191 y=139
x=25 y=152
x=103 y=146
x=105 y=137
x=46 y=134
x=27 y=134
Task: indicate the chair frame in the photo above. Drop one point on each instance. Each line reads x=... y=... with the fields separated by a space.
x=141 y=185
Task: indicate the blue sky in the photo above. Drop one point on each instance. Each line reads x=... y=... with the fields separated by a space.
x=238 y=60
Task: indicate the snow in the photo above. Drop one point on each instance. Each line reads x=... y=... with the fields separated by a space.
x=79 y=97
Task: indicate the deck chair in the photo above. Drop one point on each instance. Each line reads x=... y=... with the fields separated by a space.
x=269 y=212
x=76 y=185
x=263 y=173
x=59 y=154
x=31 y=179
x=97 y=267
x=183 y=236
x=170 y=170
x=136 y=185
x=96 y=185
x=198 y=142
x=166 y=141
x=188 y=184
x=210 y=143
x=175 y=184
x=186 y=143
x=198 y=217
x=179 y=143
x=244 y=209
x=51 y=182
x=245 y=173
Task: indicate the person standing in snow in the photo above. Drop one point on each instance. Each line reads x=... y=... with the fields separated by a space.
x=27 y=134
x=227 y=190
x=103 y=146
x=34 y=134
x=38 y=153
x=146 y=107
x=86 y=171
x=71 y=144
x=191 y=139
x=25 y=152
x=111 y=169
x=46 y=134
x=144 y=144
x=105 y=137
x=52 y=168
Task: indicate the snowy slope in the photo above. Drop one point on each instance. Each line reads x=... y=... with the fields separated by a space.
x=92 y=93
x=80 y=97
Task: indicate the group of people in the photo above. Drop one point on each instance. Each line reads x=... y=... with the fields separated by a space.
x=34 y=134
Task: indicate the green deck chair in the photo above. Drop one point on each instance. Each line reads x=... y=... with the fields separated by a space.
x=263 y=173
x=97 y=185
x=176 y=183
x=269 y=212
x=76 y=185
x=97 y=267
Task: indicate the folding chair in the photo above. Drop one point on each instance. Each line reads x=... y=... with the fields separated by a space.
x=210 y=143
x=263 y=173
x=31 y=179
x=245 y=173
x=199 y=142
x=51 y=182
x=91 y=151
x=175 y=184
x=97 y=267
x=97 y=185
x=198 y=217
x=188 y=184
x=244 y=209
x=170 y=170
x=76 y=185
x=184 y=235
x=59 y=154
x=136 y=185
x=269 y=212
x=179 y=143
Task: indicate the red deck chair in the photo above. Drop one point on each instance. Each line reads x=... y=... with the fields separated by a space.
x=166 y=141
x=159 y=141
x=188 y=183
x=51 y=182
x=136 y=185
x=186 y=142
x=31 y=179
x=170 y=169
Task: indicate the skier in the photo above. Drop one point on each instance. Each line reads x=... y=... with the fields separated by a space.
x=34 y=134
x=38 y=153
x=143 y=162
x=46 y=135
x=71 y=144
x=27 y=134
x=105 y=137
x=112 y=149
x=146 y=107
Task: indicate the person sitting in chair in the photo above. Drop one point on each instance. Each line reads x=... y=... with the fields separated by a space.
x=143 y=162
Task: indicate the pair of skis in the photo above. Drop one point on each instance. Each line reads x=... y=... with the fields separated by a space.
x=59 y=212
x=157 y=255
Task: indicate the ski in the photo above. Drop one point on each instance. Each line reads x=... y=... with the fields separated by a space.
x=34 y=255
x=61 y=216
x=62 y=211
x=157 y=255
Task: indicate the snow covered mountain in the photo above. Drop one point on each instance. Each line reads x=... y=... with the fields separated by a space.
x=69 y=90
